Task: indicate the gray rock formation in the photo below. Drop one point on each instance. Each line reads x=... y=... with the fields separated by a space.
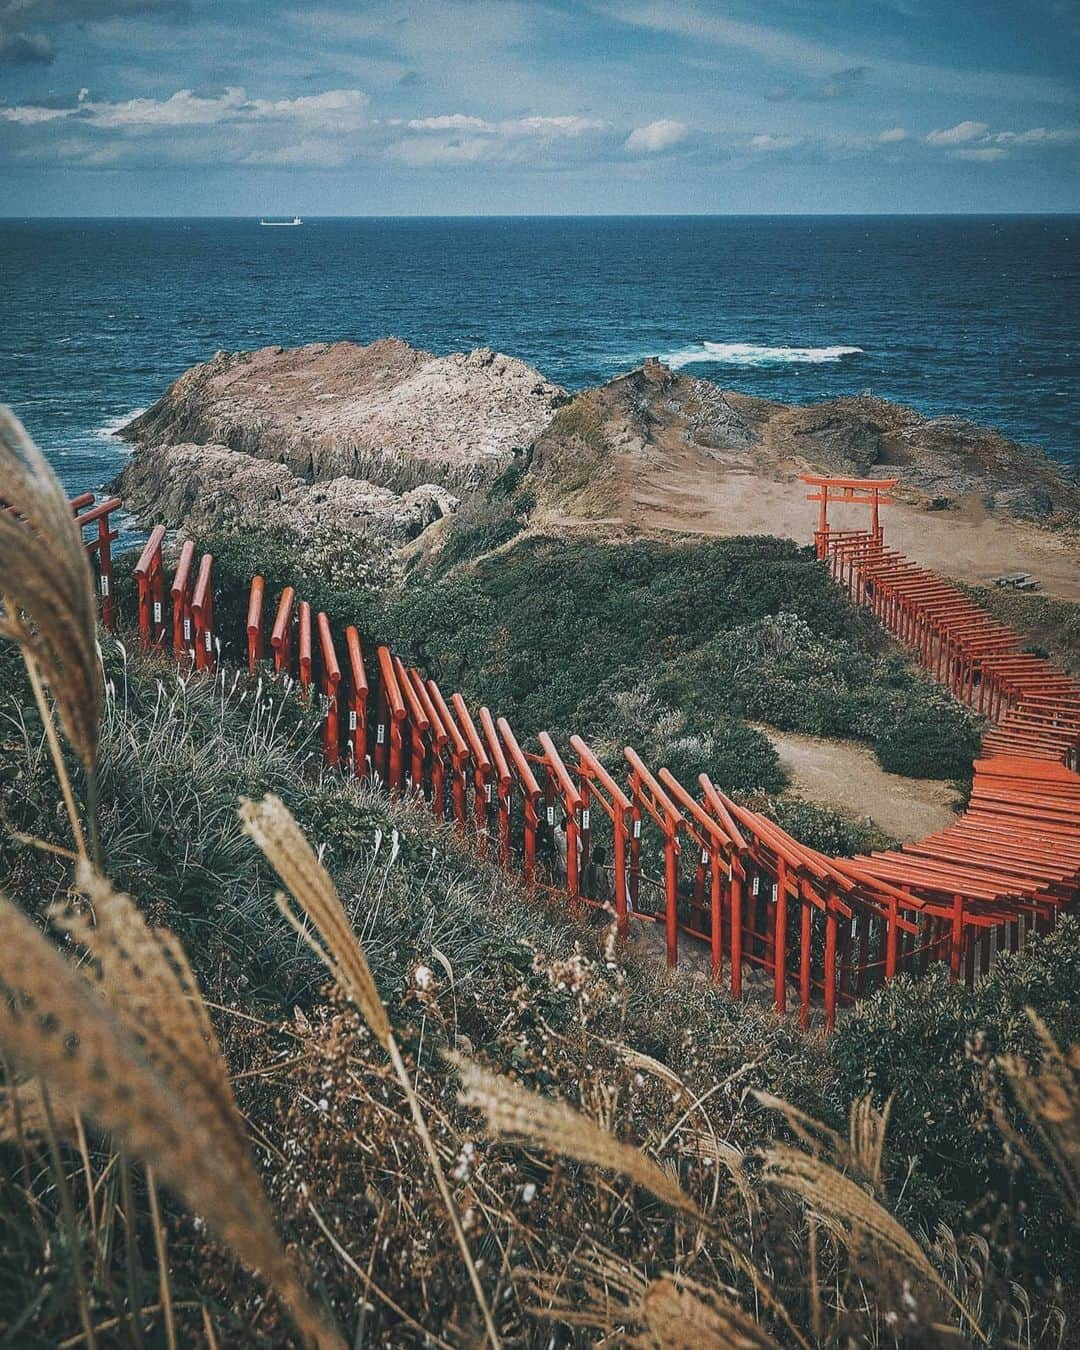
x=386 y=413
x=210 y=488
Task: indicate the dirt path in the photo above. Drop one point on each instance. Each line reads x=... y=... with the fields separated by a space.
x=848 y=778
x=695 y=492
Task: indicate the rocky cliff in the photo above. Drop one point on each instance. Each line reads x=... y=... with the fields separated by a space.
x=384 y=439
x=376 y=439
x=595 y=454
x=211 y=488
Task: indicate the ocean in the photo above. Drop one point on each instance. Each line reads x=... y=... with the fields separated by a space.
x=973 y=316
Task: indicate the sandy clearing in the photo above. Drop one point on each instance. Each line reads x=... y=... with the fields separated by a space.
x=847 y=777
x=691 y=491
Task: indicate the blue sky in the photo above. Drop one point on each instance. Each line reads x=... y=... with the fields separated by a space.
x=228 y=107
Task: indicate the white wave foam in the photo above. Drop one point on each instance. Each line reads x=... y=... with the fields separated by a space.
x=108 y=429
x=753 y=354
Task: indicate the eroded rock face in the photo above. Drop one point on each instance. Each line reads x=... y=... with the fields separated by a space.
x=386 y=413
x=653 y=422
x=207 y=488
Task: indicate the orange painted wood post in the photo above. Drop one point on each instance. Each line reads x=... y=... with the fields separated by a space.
x=806 y=957
x=202 y=613
x=830 y=962
x=736 y=894
x=671 y=894
x=780 y=910
x=419 y=726
x=503 y=783
x=396 y=714
x=482 y=770
x=621 y=880
x=380 y=751
x=255 y=624
x=716 y=912
x=531 y=794
x=634 y=879
x=180 y=593
x=331 y=682
x=956 y=939
x=304 y=647
x=571 y=802
x=150 y=578
x=892 y=933
x=438 y=741
x=984 y=952
x=358 y=698
x=459 y=754
x=281 y=633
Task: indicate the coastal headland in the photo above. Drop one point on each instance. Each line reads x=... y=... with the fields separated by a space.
x=385 y=440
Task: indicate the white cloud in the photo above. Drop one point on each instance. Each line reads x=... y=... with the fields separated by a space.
x=1038 y=136
x=450 y=122
x=551 y=126
x=767 y=142
x=509 y=127
x=31 y=115
x=981 y=154
x=656 y=136
x=892 y=135
x=959 y=134
x=335 y=109
x=433 y=153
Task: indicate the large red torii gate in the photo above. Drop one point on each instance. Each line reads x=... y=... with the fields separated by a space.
x=846 y=492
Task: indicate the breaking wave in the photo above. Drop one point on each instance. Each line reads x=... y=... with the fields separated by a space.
x=753 y=354
x=109 y=430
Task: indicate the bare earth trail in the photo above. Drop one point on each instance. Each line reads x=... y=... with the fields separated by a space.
x=712 y=493
x=848 y=778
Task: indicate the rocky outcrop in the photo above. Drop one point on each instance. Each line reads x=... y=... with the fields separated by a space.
x=385 y=413
x=652 y=421
x=208 y=488
x=383 y=439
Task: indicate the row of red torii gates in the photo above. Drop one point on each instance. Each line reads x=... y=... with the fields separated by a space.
x=817 y=931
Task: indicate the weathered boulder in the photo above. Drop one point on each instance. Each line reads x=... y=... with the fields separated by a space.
x=386 y=413
x=207 y=488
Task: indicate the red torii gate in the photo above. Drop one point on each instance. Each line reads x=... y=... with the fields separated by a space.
x=846 y=491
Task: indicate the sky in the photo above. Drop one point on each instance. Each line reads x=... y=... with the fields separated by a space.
x=440 y=107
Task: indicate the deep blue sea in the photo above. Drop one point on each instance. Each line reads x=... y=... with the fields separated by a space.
x=968 y=315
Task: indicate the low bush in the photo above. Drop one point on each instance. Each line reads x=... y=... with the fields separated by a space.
x=929 y=738
x=929 y=1044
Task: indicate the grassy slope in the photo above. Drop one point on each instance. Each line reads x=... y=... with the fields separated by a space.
x=519 y=985
x=670 y=645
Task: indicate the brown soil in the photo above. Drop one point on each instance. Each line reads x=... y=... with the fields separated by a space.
x=846 y=777
x=698 y=492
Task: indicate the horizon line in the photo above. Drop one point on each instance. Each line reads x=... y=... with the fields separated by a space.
x=562 y=215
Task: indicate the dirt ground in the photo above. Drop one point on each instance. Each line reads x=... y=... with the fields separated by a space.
x=695 y=492
x=848 y=778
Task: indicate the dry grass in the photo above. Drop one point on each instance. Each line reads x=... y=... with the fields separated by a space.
x=273 y=828
x=48 y=591
x=512 y=1112
x=129 y=1052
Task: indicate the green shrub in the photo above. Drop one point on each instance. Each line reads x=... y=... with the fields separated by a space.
x=932 y=738
x=928 y=1043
